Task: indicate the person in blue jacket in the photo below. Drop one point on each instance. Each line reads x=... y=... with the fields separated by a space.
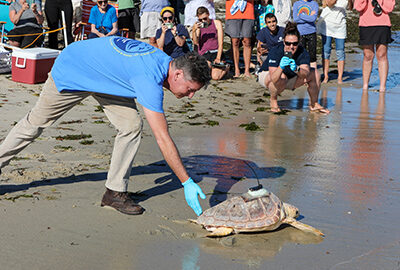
x=127 y=71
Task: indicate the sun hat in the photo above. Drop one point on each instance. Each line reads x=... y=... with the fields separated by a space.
x=170 y=9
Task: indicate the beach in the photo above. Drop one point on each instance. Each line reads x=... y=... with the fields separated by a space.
x=339 y=169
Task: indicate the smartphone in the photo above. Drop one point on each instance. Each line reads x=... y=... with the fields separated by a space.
x=288 y=54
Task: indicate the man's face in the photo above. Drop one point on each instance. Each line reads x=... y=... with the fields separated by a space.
x=181 y=87
x=291 y=44
x=271 y=24
x=204 y=18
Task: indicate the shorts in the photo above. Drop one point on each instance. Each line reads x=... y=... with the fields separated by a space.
x=239 y=28
x=211 y=55
x=289 y=85
x=26 y=40
x=149 y=23
x=309 y=42
x=371 y=35
x=129 y=18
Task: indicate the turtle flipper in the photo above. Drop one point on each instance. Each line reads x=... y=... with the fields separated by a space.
x=220 y=232
x=303 y=227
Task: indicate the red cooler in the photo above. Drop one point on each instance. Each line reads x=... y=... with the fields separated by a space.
x=32 y=65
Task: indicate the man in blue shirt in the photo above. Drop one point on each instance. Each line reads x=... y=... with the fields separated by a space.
x=268 y=37
x=288 y=67
x=116 y=71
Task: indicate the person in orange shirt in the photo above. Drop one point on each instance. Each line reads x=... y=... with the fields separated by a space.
x=239 y=24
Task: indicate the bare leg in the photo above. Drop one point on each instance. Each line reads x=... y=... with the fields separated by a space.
x=317 y=75
x=367 y=64
x=313 y=92
x=383 y=65
x=275 y=90
x=340 y=65
x=325 y=68
x=247 y=56
x=235 y=49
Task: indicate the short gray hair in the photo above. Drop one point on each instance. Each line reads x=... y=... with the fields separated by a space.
x=195 y=67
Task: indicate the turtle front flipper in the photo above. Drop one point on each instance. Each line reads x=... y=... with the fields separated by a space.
x=302 y=226
x=220 y=232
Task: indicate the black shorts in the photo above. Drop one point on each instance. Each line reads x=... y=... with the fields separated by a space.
x=26 y=40
x=129 y=18
x=371 y=35
x=210 y=56
x=309 y=42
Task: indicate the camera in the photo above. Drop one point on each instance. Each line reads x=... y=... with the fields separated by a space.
x=288 y=54
x=377 y=8
x=204 y=25
x=169 y=25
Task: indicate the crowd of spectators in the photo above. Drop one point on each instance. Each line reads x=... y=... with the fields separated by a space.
x=180 y=26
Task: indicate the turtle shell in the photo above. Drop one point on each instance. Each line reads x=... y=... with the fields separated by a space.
x=245 y=214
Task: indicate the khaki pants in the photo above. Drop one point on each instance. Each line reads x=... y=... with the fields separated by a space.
x=122 y=113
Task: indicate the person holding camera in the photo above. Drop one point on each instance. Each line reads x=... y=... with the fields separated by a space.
x=375 y=34
x=268 y=37
x=288 y=67
x=208 y=36
x=27 y=20
x=103 y=20
x=171 y=37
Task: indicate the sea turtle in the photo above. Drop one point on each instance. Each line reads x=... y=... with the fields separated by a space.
x=255 y=211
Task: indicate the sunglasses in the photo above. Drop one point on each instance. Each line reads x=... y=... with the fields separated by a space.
x=287 y=43
x=102 y=2
x=203 y=19
x=168 y=18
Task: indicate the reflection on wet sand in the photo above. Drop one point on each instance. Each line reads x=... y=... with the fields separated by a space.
x=367 y=160
x=253 y=248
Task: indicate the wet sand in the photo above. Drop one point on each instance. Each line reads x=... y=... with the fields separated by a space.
x=341 y=170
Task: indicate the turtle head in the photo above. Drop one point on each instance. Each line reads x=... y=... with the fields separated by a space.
x=291 y=210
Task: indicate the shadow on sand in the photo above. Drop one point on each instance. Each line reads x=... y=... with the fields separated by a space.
x=225 y=171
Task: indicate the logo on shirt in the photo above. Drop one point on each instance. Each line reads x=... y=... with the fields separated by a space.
x=130 y=47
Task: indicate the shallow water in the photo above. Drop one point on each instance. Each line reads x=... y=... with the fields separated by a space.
x=341 y=170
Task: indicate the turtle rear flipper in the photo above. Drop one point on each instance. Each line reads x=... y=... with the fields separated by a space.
x=303 y=227
x=220 y=232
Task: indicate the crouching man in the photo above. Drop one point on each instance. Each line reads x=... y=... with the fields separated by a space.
x=288 y=67
x=117 y=71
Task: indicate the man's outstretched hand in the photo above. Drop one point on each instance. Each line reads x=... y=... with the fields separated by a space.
x=192 y=190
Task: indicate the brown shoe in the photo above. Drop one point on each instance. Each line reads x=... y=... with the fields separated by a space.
x=122 y=202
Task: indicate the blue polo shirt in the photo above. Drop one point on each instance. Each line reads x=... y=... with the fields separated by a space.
x=114 y=66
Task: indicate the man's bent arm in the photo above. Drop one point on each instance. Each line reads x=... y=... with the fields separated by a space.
x=159 y=126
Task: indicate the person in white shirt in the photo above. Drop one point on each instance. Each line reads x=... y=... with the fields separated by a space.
x=332 y=24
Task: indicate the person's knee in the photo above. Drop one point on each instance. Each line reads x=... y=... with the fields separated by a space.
x=131 y=127
x=368 y=55
x=247 y=42
x=235 y=42
x=381 y=55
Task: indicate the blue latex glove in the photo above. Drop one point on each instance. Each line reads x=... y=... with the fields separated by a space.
x=285 y=61
x=293 y=65
x=192 y=190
